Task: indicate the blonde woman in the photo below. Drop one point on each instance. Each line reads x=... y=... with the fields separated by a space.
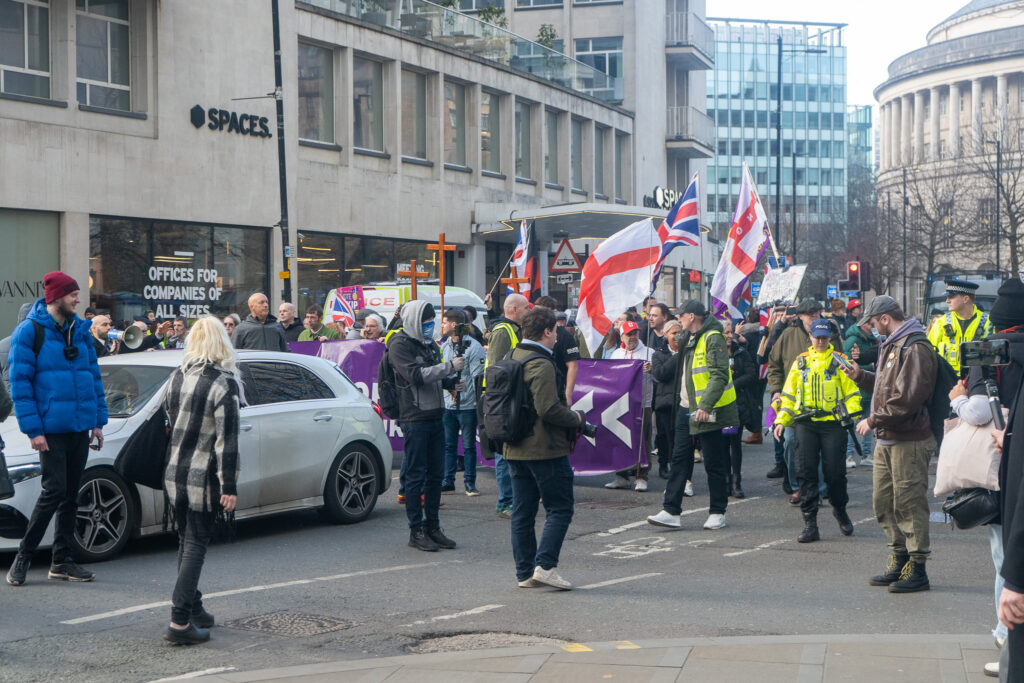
x=202 y=404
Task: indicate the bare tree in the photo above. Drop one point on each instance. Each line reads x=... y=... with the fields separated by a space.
x=1005 y=187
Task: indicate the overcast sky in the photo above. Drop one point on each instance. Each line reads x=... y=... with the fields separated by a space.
x=877 y=31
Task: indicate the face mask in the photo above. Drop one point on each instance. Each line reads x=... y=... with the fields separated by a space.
x=428 y=330
x=876 y=333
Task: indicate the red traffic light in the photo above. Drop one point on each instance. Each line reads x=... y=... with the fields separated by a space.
x=854 y=267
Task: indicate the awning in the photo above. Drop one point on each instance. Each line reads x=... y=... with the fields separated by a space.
x=575 y=221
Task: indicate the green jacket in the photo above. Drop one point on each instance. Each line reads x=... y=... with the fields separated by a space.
x=556 y=424
x=329 y=332
x=718 y=377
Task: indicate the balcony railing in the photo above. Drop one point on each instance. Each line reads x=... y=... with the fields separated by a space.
x=686 y=28
x=426 y=20
x=687 y=124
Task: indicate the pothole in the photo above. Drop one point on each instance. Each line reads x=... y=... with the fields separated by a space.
x=289 y=624
x=478 y=641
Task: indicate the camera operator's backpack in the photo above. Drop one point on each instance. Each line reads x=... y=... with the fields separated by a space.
x=387 y=390
x=937 y=404
x=507 y=405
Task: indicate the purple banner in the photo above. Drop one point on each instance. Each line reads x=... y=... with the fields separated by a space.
x=610 y=392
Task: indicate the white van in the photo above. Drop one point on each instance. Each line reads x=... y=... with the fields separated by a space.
x=386 y=298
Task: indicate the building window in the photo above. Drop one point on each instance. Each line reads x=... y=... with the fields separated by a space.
x=316 y=93
x=414 y=114
x=576 y=154
x=551 y=150
x=605 y=55
x=368 y=104
x=538 y=3
x=25 y=48
x=103 y=59
x=599 y=135
x=523 y=160
x=454 y=123
x=490 y=132
x=473 y=5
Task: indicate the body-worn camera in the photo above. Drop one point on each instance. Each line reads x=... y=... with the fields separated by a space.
x=587 y=429
x=987 y=352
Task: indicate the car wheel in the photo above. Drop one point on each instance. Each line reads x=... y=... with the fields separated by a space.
x=351 y=490
x=106 y=516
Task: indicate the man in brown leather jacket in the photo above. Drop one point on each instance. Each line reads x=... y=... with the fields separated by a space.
x=902 y=385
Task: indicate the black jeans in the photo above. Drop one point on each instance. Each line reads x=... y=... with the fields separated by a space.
x=194 y=531
x=665 y=434
x=533 y=480
x=735 y=458
x=823 y=442
x=423 y=462
x=682 y=463
x=62 y=467
x=714 y=447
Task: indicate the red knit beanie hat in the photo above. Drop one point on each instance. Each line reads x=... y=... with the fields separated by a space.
x=58 y=285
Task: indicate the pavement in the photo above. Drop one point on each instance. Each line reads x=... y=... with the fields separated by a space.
x=766 y=659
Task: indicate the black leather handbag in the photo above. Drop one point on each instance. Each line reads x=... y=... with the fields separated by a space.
x=972 y=507
x=6 y=485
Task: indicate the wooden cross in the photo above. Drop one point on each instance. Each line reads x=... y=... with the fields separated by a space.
x=441 y=247
x=514 y=280
x=413 y=275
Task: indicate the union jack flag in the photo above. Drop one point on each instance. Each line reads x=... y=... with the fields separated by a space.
x=681 y=226
x=340 y=309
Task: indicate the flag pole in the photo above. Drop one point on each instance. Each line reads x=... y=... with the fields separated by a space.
x=767 y=228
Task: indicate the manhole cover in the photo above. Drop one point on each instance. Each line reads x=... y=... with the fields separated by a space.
x=291 y=624
x=478 y=641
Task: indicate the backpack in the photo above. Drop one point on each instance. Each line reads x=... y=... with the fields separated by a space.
x=387 y=389
x=507 y=405
x=937 y=404
x=144 y=456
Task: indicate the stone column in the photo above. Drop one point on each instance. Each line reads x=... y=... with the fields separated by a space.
x=1001 y=104
x=935 y=104
x=894 y=142
x=883 y=135
x=954 y=120
x=976 y=135
x=919 y=126
x=906 y=131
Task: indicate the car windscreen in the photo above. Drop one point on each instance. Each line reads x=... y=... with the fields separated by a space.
x=129 y=387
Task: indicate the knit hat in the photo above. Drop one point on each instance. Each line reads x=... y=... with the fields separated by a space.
x=58 y=285
x=1008 y=310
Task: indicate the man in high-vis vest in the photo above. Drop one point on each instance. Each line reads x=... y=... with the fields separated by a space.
x=963 y=322
x=504 y=337
x=706 y=406
x=814 y=398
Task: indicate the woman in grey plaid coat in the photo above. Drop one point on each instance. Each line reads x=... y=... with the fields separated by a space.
x=202 y=403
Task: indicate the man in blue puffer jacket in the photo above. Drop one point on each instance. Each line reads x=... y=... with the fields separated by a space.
x=58 y=399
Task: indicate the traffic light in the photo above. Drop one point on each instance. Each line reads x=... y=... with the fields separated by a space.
x=853 y=274
x=865 y=276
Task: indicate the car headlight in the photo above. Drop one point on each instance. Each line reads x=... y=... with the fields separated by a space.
x=23 y=472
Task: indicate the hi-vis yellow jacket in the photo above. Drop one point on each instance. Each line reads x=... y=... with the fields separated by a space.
x=816 y=384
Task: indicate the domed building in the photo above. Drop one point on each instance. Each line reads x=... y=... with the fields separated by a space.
x=941 y=112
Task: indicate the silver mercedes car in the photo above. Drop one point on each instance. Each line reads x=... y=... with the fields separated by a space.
x=309 y=439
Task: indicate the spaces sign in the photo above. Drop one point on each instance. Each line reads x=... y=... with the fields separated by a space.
x=230 y=121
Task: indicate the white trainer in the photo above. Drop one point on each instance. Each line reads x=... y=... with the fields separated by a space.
x=550 y=577
x=529 y=583
x=665 y=519
x=867 y=462
x=715 y=522
x=641 y=485
x=992 y=669
x=850 y=464
x=688 y=489
x=619 y=483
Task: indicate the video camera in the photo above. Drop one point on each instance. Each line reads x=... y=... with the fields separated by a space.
x=986 y=354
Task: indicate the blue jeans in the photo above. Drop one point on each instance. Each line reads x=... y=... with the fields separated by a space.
x=995 y=541
x=867 y=446
x=504 y=481
x=454 y=421
x=423 y=462
x=533 y=480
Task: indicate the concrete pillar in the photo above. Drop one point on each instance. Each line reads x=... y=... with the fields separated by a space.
x=919 y=126
x=935 y=105
x=906 y=130
x=74 y=249
x=976 y=134
x=894 y=141
x=1001 y=104
x=883 y=136
x=470 y=269
x=954 y=120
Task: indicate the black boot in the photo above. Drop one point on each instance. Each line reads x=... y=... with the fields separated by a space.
x=912 y=579
x=777 y=472
x=419 y=539
x=786 y=487
x=893 y=566
x=810 y=532
x=737 y=489
x=437 y=536
x=663 y=469
x=845 y=525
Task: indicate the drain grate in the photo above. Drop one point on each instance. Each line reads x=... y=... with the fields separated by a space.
x=290 y=624
x=478 y=641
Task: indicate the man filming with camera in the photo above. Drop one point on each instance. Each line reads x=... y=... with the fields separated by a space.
x=539 y=464
x=460 y=406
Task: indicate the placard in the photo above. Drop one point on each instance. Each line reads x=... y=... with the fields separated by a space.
x=780 y=285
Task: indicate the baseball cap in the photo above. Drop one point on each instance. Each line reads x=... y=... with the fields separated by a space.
x=878 y=306
x=821 y=328
x=695 y=307
x=854 y=303
x=808 y=306
x=629 y=326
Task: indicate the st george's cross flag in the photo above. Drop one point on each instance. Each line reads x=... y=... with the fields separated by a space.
x=617 y=275
x=680 y=227
x=745 y=246
x=524 y=260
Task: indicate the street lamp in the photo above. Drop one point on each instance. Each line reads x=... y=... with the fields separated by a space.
x=999 y=179
x=793 y=180
x=778 y=127
x=906 y=203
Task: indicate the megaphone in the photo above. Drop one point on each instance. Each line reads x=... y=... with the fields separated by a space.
x=132 y=337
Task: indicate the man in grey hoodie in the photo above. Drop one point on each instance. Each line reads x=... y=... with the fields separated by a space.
x=5 y=346
x=421 y=376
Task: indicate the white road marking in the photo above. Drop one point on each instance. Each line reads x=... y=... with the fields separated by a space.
x=446 y=617
x=763 y=546
x=612 y=582
x=638 y=547
x=862 y=521
x=197 y=674
x=633 y=525
x=250 y=589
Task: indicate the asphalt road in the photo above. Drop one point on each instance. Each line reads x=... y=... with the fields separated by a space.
x=303 y=591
